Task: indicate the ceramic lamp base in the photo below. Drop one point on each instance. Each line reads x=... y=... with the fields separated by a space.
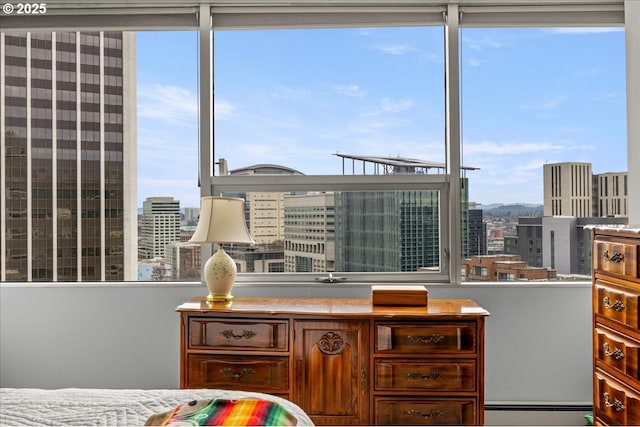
x=220 y=275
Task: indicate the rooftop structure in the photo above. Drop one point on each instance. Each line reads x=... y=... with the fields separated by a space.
x=388 y=165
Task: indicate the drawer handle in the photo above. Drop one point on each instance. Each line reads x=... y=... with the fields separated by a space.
x=426 y=339
x=617 y=257
x=617 y=405
x=430 y=376
x=245 y=334
x=616 y=354
x=415 y=413
x=246 y=372
x=617 y=306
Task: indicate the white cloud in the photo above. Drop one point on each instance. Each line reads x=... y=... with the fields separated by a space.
x=291 y=93
x=546 y=105
x=222 y=110
x=395 y=49
x=474 y=62
x=389 y=106
x=169 y=103
x=494 y=148
x=434 y=57
x=482 y=43
x=586 y=30
x=351 y=90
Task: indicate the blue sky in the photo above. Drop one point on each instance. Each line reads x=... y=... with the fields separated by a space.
x=296 y=97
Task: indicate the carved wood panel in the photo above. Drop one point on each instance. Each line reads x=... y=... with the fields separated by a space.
x=331 y=370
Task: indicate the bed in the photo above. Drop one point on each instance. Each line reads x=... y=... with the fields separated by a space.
x=111 y=407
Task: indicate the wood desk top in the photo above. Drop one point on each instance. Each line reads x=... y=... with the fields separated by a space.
x=343 y=307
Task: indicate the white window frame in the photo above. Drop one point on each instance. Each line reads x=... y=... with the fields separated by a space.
x=139 y=15
x=225 y=18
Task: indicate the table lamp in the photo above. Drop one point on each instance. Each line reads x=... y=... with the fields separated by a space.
x=221 y=221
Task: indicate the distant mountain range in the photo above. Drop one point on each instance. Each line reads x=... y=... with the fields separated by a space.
x=515 y=208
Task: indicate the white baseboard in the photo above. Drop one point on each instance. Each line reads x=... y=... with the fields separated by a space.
x=536 y=415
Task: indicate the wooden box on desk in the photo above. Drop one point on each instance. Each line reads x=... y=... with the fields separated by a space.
x=414 y=295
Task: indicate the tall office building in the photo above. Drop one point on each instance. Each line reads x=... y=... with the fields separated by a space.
x=568 y=189
x=392 y=231
x=477 y=233
x=159 y=227
x=264 y=211
x=387 y=230
x=529 y=241
x=309 y=230
x=68 y=145
x=611 y=190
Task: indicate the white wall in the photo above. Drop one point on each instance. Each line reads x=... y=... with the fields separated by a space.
x=538 y=338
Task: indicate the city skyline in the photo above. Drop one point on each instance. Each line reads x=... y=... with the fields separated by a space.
x=283 y=106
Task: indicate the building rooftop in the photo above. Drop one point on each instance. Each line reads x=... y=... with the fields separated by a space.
x=397 y=164
x=265 y=169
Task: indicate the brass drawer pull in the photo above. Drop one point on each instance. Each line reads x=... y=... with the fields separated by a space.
x=616 y=354
x=617 y=257
x=617 y=405
x=431 y=376
x=415 y=413
x=617 y=306
x=246 y=372
x=426 y=339
x=245 y=334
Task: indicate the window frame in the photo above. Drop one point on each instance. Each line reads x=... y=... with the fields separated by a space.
x=204 y=17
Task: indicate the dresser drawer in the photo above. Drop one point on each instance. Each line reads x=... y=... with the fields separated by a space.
x=614 y=403
x=454 y=337
x=616 y=257
x=222 y=334
x=437 y=375
x=238 y=373
x=617 y=302
x=616 y=351
x=424 y=411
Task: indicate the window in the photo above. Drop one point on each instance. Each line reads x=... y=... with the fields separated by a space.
x=529 y=107
x=442 y=115
x=361 y=152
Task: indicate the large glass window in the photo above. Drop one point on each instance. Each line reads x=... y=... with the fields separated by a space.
x=316 y=108
x=544 y=120
x=337 y=126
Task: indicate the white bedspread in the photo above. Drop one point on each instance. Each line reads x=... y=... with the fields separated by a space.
x=106 y=407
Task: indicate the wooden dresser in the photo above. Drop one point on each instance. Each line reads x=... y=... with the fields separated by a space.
x=616 y=326
x=343 y=361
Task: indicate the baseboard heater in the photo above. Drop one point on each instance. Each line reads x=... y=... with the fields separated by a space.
x=550 y=407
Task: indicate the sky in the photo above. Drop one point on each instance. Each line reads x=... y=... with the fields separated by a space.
x=298 y=97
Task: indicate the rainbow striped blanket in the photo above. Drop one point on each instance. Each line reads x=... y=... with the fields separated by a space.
x=225 y=412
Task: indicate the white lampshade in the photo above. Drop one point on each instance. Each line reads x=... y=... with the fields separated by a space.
x=221 y=221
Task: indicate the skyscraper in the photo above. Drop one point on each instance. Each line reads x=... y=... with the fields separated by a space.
x=68 y=144
x=611 y=191
x=159 y=226
x=477 y=233
x=568 y=189
x=387 y=230
x=309 y=231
